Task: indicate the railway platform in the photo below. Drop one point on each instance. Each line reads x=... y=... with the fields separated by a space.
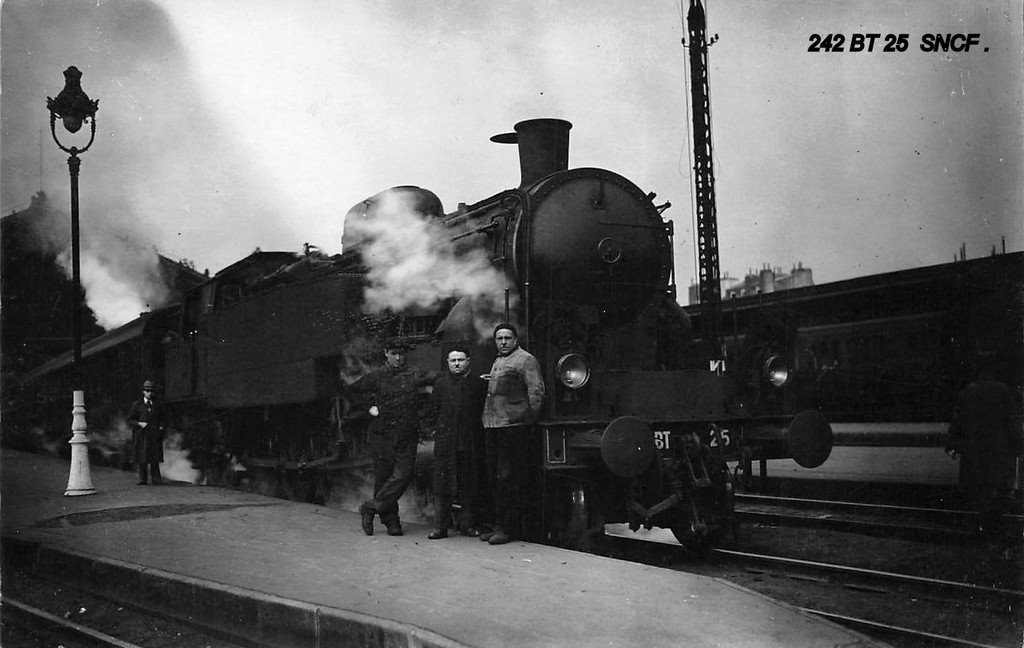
x=281 y=573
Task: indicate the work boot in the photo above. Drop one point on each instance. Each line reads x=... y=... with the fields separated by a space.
x=498 y=538
x=395 y=530
x=472 y=532
x=366 y=513
x=438 y=534
x=485 y=536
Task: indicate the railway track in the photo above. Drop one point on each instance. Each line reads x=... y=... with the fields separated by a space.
x=870 y=600
x=898 y=632
x=887 y=521
x=858 y=577
x=36 y=612
x=35 y=621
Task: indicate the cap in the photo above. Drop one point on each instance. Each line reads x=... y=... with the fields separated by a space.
x=149 y=384
x=396 y=343
x=505 y=326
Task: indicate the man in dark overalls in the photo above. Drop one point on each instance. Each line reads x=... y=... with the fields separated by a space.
x=458 y=445
x=389 y=395
x=146 y=418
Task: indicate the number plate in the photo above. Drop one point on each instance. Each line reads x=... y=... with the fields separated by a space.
x=662 y=439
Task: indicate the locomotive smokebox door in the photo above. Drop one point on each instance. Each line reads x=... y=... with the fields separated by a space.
x=810 y=438
x=627 y=446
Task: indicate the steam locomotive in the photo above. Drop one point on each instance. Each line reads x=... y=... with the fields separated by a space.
x=641 y=418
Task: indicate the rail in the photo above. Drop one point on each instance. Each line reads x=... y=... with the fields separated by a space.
x=881 y=520
x=34 y=619
x=974 y=592
x=931 y=638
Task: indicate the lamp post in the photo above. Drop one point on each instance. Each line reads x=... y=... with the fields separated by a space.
x=74 y=108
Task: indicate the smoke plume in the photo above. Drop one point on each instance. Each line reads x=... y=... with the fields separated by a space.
x=163 y=171
x=114 y=442
x=354 y=485
x=176 y=465
x=413 y=263
x=120 y=271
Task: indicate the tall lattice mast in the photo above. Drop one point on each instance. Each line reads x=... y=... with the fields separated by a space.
x=709 y=283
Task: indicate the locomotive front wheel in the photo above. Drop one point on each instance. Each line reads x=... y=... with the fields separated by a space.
x=568 y=519
x=696 y=541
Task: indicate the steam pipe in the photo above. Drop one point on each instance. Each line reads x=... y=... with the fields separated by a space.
x=478 y=230
x=483 y=206
x=527 y=214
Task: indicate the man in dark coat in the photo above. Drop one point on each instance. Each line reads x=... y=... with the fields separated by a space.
x=458 y=444
x=985 y=433
x=389 y=395
x=146 y=418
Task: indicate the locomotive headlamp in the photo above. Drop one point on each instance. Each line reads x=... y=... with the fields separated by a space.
x=776 y=370
x=572 y=370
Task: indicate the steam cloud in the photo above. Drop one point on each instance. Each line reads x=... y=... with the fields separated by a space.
x=354 y=485
x=162 y=168
x=120 y=272
x=176 y=465
x=413 y=263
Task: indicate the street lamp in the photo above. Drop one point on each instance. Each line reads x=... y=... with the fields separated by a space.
x=74 y=108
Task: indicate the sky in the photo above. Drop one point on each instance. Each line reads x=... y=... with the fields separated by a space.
x=227 y=125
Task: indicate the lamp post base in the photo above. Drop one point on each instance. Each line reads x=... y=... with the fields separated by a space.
x=80 y=478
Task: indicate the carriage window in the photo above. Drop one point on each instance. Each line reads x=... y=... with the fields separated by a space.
x=421 y=325
x=190 y=313
x=208 y=295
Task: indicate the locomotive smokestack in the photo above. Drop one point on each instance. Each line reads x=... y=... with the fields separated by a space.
x=543 y=147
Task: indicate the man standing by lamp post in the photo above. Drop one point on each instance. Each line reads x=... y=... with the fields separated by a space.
x=74 y=108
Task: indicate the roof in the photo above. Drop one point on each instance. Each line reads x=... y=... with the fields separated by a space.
x=110 y=339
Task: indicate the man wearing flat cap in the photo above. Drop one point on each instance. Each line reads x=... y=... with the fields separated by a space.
x=389 y=396
x=146 y=418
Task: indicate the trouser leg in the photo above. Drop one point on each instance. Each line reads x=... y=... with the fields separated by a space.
x=154 y=473
x=143 y=471
x=480 y=474
x=383 y=466
x=443 y=513
x=501 y=454
x=385 y=499
x=491 y=454
x=467 y=489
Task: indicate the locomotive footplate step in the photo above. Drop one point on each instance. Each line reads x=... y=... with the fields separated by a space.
x=276 y=572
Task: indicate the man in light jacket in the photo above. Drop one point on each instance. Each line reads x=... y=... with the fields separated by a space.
x=515 y=393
